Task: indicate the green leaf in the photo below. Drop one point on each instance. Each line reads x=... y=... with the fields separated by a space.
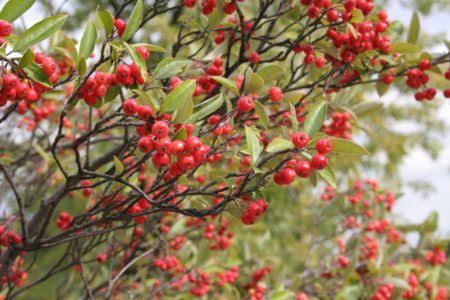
x=315 y=117
x=151 y=47
x=366 y=108
x=278 y=145
x=414 y=29
x=81 y=67
x=357 y=16
x=313 y=178
x=134 y=21
x=105 y=20
x=40 y=31
x=13 y=9
x=261 y=113
x=169 y=67
x=72 y=49
x=36 y=74
x=27 y=59
x=88 y=40
x=271 y=72
x=253 y=82
x=430 y=224
x=280 y=293
x=185 y=112
x=137 y=59
x=347 y=146
x=382 y=88
x=206 y=108
x=293 y=117
x=402 y=47
x=181 y=134
x=396 y=282
x=327 y=174
x=253 y=144
x=149 y=100
x=111 y=94
x=230 y=84
x=178 y=96
x=350 y=292
x=118 y=164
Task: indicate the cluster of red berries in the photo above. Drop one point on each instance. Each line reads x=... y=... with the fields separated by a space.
x=413 y=282
x=340 y=126
x=166 y=263
x=436 y=256
x=384 y=292
x=370 y=247
x=205 y=84
x=202 y=284
x=208 y=6
x=64 y=221
x=140 y=206
x=9 y=237
x=220 y=239
x=15 y=275
x=254 y=210
x=310 y=55
x=120 y=25
x=177 y=243
x=328 y=194
x=229 y=276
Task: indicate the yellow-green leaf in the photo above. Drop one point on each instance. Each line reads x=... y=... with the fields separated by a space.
x=178 y=96
x=134 y=21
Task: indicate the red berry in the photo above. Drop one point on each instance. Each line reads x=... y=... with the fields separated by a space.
x=177 y=147
x=190 y=3
x=319 y=161
x=245 y=104
x=324 y=146
x=388 y=79
x=130 y=106
x=424 y=64
x=313 y=12
x=5 y=28
x=303 y=169
x=186 y=162
x=193 y=144
x=102 y=257
x=447 y=93
x=333 y=15
x=275 y=94
x=253 y=58
x=146 y=144
x=229 y=8
x=144 y=112
x=145 y=53
x=160 y=129
x=300 y=140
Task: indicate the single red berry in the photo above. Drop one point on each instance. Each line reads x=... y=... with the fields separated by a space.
x=5 y=28
x=388 y=79
x=190 y=3
x=186 y=162
x=145 y=53
x=229 y=8
x=144 y=112
x=313 y=12
x=245 y=104
x=102 y=257
x=324 y=146
x=130 y=106
x=303 y=169
x=447 y=93
x=177 y=147
x=424 y=64
x=193 y=144
x=146 y=144
x=319 y=161
x=275 y=94
x=300 y=140
x=160 y=129
x=333 y=15
x=253 y=58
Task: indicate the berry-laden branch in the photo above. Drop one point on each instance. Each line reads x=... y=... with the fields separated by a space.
x=136 y=139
